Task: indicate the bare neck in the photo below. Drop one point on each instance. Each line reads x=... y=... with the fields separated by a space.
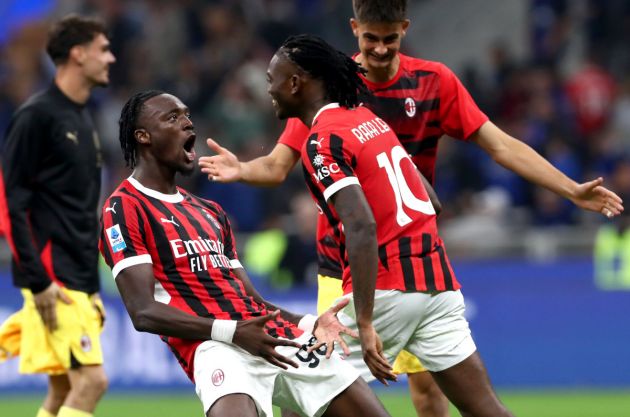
x=73 y=84
x=379 y=75
x=310 y=110
x=155 y=177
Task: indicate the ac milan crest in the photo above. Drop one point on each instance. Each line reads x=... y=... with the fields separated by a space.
x=410 y=107
x=217 y=377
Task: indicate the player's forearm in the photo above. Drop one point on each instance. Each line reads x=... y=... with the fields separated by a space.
x=435 y=201
x=526 y=162
x=263 y=171
x=521 y=159
x=161 y=319
x=362 y=250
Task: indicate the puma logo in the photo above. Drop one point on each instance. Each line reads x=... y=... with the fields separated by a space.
x=112 y=208
x=170 y=221
x=317 y=142
x=72 y=136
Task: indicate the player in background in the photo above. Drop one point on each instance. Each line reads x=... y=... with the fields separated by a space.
x=396 y=272
x=174 y=259
x=51 y=166
x=422 y=101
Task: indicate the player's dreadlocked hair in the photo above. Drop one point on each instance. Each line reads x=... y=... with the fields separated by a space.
x=128 y=124
x=339 y=73
x=380 y=11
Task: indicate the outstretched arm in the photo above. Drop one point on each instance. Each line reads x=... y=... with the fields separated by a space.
x=362 y=247
x=520 y=158
x=136 y=286
x=268 y=170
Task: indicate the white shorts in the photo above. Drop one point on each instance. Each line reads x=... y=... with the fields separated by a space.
x=431 y=326
x=222 y=369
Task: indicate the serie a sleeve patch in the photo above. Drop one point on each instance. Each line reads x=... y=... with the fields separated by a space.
x=115 y=237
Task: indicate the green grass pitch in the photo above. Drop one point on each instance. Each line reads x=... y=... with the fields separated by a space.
x=523 y=404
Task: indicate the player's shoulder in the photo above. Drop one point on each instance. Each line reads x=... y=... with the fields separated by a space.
x=37 y=107
x=125 y=193
x=418 y=64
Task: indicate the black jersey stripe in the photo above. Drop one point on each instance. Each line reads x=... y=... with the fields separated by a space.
x=427 y=265
x=119 y=216
x=226 y=274
x=416 y=148
x=204 y=277
x=404 y=254
x=382 y=255
x=182 y=362
x=165 y=257
x=448 y=278
x=336 y=150
x=406 y=83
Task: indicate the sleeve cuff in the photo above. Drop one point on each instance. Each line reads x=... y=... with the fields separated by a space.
x=338 y=185
x=131 y=261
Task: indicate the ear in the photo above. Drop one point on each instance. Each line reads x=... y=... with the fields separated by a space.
x=142 y=136
x=296 y=83
x=355 y=26
x=405 y=26
x=77 y=54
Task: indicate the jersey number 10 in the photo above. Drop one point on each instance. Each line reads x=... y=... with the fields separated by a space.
x=401 y=189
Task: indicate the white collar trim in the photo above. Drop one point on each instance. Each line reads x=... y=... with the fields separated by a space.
x=169 y=198
x=326 y=107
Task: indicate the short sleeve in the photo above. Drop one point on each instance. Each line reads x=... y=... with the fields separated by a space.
x=459 y=114
x=331 y=165
x=294 y=134
x=123 y=241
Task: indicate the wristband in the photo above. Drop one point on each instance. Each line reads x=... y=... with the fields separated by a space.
x=307 y=323
x=223 y=330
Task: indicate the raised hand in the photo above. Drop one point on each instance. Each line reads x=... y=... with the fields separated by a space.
x=222 y=167
x=373 y=356
x=593 y=196
x=328 y=330
x=46 y=304
x=250 y=336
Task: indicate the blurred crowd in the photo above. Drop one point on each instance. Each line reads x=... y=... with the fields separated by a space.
x=569 y=99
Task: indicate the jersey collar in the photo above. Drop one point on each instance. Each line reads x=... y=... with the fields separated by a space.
x=323 y=109
x=169 y=198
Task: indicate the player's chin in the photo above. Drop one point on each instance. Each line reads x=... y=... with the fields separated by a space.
x=281 y=114
x=187 y=170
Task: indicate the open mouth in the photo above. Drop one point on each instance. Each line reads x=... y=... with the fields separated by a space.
x=189 y=148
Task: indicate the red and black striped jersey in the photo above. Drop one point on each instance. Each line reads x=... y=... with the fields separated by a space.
x=355 y=147
x=190 y=244
x=423 y=101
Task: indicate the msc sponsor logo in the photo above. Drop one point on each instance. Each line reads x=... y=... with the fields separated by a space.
x=325 y=171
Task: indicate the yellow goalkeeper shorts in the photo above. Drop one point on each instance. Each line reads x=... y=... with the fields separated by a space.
x=328 y=290
x=76 y=341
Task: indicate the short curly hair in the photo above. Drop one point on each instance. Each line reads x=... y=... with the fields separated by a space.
x=69 y=32
x=380 y=11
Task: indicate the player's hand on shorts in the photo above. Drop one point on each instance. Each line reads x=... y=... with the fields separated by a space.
x=328 y=330
x=222 y=167
x=250 y=336
x=46 y=304
x=593 y=196
x=373 y=356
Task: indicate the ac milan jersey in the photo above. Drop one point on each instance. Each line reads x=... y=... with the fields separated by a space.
x=190 y=244
x=349 y=147
x=423 y=101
